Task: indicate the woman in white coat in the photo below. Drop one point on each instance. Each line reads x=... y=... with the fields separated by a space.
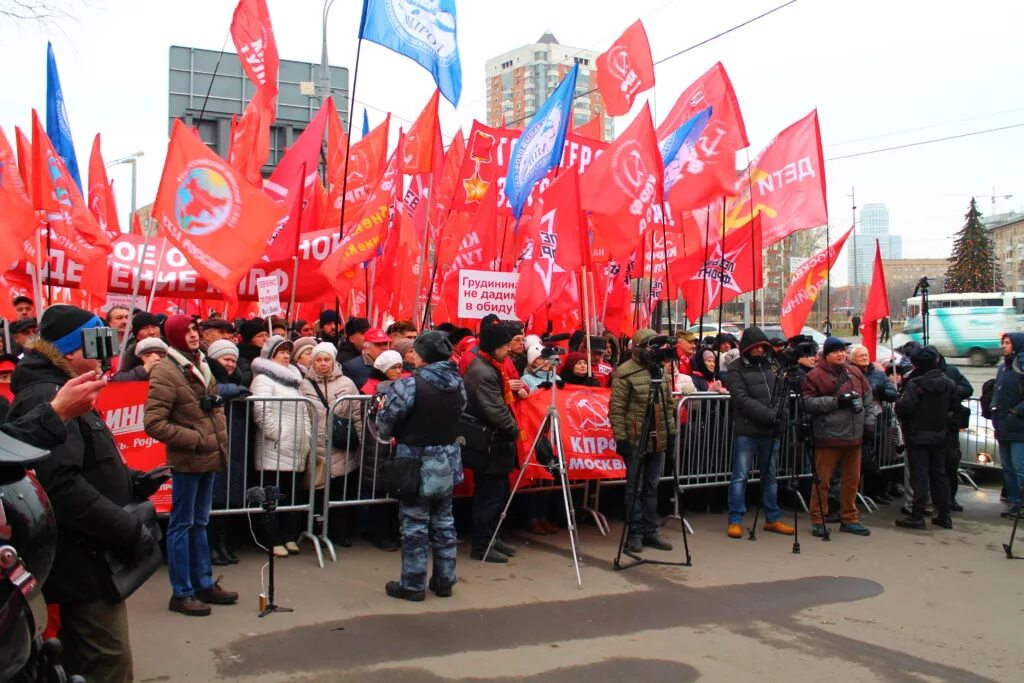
x=283 y=441
x=323 y=385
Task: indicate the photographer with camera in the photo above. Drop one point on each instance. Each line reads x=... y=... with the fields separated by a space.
x=756 y=393
x=924 y=405
x=631 y=390
x=88 y=486
x=839 y=402
x=184 y=412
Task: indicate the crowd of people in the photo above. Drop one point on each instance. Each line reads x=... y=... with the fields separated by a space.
x=259 y=400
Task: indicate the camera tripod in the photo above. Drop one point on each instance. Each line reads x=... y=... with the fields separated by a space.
x=655 y=397
x=1008 y=547
x=550 y=427
x=267 y=499
x=804 y=430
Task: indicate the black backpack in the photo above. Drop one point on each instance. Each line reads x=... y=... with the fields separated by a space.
x=987 y=390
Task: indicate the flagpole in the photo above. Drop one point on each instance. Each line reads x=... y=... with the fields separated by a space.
x=138 y=272
x=348 y=147
x=721 y=297
x=156 y=279
x=664 y=260
x=295 y=256
x=49 y=280
x=827 y=326
x=753 y=254
x=426 y=245
x=586 y=324
x=704 y=289
x=37 y=281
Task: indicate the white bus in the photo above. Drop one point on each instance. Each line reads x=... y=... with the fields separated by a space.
x=967 y=325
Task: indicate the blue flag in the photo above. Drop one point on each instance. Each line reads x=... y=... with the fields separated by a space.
x=539 y=148
x=366 y=124
x=678 y=150
x=58 y=128
x=422 y=30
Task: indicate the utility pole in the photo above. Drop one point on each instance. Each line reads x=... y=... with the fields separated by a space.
x=856 y=271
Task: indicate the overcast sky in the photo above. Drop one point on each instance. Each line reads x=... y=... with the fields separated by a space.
x=881 y=73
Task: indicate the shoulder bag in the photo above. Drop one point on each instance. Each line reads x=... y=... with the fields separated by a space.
x=125 y=577
x=344 y=435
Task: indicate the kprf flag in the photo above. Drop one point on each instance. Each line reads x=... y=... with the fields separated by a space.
x=18 y=220
x=553 y=246
x=219 y=222
x=623 y=188
x=787 y=181
x=101 y=194
x=877 y=307
x=808 y=282
x=367 y=160
x=58 y=126
x=539 y=148
x=257 y=50
x=418 y=146
x=733 y=267
x=425 y=32
x=625 y=70
x=249 y=148
x=711 y=172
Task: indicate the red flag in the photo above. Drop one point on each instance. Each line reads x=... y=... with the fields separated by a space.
x=625 y=70
x=254 y=39
x=361 y=242
x=623 y=188
x=788 y=183
x=220 y=224
x=445 y=184
x=418 y=148
x=733 y=267
x=136 y=225
x=593 y=129
x=807 y=282
x=250 y=139
x=298 y=168
x=18 y=221
x=553 y=245
x=877 y=306
x=367 y=161
x=712 y=173
x=101 y=194
x=24 y=156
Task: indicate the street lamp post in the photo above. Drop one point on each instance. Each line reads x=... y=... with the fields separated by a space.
x=133 y=160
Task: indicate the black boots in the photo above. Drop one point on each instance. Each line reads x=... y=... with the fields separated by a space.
x=217 y=537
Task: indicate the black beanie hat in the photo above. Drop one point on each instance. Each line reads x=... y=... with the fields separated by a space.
x=356 y=326
x=924 y=359
x=493 y=336
x=250 y=328
x=143 y=319
x=61 y=321
x=433 y=346
x=833 y=344
x=328 y=315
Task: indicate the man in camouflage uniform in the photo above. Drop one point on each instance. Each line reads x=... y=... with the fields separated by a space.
x=422 y=414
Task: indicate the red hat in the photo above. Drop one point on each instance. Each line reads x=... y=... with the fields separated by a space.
x=6 y=366
x=375 y=335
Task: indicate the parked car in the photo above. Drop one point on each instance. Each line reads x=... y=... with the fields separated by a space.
x=978 y=445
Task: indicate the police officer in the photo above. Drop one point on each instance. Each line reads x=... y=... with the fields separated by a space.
x=422 y=413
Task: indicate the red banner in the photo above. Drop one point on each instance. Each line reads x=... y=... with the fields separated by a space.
x=877 y=307
x=807 y=282
x=625 y=70
x=586 y=432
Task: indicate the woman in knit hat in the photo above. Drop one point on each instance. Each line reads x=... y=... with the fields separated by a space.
x=284 y=440
x=149 y=351
x=386 y=369
x=575 y=370
x=324 y=384
x=405 y=349
x=302 y=353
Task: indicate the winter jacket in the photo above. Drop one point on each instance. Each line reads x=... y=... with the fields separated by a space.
x=631 y=384
x=835 y=426
x=86 y=481
x=755 y=391
x=1008 y=397
x=332 y=387
x=924 y=405
x=247 y=353
x=441 y=464
x=346 y=351
x=229 y=485
x=881 y=388
x=358 y=369
x=196 y=439
x=534 y=378
x=284 y=439
x=136 y=374
x=486 y=402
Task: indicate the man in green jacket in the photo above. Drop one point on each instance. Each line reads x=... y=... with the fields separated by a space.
x=631 y=386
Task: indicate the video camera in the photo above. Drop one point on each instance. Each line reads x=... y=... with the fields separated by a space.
x=798 y=346
x=267 y=497
x=656 y=351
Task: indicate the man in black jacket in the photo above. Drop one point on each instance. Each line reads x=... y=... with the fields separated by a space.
x=961 y=417
x=490 y=401
x=88 y=486
x=924 y=406
x=756 y=392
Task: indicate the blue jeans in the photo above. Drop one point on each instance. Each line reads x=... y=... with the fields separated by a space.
x=188 y=555
x=644 y=518
x=1011 y=456
x=746 y=450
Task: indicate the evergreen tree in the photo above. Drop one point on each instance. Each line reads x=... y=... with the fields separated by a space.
x=972 y=266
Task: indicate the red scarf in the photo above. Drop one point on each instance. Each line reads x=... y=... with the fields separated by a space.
x=506 y=387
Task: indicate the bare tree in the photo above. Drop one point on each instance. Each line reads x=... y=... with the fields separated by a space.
x=43 y=12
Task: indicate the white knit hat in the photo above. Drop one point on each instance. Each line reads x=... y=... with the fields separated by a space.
x=387 y=360
x=325 y=348
x=533 y=353
x=150 y=344
x=221 y=347
x=532 y=340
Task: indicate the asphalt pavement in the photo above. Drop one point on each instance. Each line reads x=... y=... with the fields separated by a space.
x=897 y=606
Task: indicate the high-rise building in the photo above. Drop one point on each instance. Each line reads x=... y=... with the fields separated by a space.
x=520 y=81
x=874 y=225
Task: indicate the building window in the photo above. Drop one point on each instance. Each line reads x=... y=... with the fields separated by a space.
x=506 y=65
x=581 y=61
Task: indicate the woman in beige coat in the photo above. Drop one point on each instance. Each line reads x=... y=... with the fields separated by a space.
x=324 y=384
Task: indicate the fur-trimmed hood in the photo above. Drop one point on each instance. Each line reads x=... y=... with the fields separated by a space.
x=289 y=376
x=43 y=364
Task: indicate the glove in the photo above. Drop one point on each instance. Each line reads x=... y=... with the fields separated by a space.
x=145 y=484
x=544 y=385
x=846 y=400
x=624 y=449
